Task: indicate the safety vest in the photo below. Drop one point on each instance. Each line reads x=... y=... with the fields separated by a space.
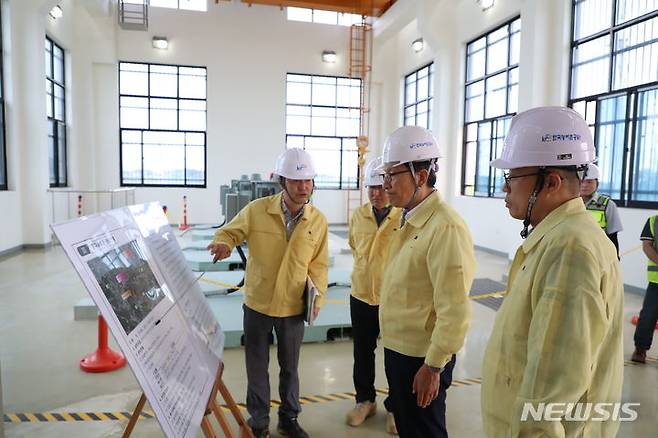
x=652 y=268
x=597 y=208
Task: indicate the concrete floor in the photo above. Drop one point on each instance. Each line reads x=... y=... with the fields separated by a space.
x=41 y=344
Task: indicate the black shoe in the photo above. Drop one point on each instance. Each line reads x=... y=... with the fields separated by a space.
x=260 y=433
x=291 y=428
x=639 y=355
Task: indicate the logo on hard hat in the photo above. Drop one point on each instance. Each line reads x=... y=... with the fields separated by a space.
x=424 y=144
x=301 y=166
x=547 y=138
x=565 y=157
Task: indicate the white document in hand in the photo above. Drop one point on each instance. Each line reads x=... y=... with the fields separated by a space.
x=310 y=296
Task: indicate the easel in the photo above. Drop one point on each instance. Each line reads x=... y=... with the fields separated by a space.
x=212 y=407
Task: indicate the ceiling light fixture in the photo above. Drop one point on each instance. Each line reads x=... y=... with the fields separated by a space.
x=418 y=45
x=56 y=12
x=329 y=56
x=160 y=42
x=485 y=4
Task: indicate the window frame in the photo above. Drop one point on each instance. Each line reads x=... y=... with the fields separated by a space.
x=148 y=96
x=60 y=181
x=4 y=182
x=338 y=17
x=495 y=120
x=179 y=8
x=342 y=184
x=631 y=93
x=416 y=102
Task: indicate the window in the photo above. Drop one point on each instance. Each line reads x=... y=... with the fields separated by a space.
x=323 y=117
x=56 y=112
x=418 y=93
x=190 y=5
x=491 y=97
x=325 y=17
x=3 y=150
x=614 y=85
x=162 y=110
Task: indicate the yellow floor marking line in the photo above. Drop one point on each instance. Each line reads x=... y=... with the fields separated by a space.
x=219 y=283
x=50 y=417
x=492 y=294
x=67 y=416
x=333 y=301
x=30 y=417
x=635 y=248
x=85 y=417
x=101 y=416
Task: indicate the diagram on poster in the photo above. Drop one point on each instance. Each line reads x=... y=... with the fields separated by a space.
x=133 y=267
x=127 y=282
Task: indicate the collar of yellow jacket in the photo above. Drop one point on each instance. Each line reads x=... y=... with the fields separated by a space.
x=274 y=206
x=424 y=210
x=553 y=219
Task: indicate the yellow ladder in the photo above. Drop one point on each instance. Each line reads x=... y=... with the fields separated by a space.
x=360 y=67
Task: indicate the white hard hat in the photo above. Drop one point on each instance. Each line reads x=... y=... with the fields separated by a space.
x=547 y=136
x=295 y=164
x=408 y=144
x=593 y=172
x=373 y=175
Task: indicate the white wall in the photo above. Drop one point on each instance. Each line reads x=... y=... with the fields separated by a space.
x=247 y=51
x=11 y=228
x=447 y=26
x=25 y=205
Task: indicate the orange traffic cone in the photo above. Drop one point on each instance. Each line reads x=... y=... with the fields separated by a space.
x=184 y=226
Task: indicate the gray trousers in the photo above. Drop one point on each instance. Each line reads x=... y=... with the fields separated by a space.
x=289 y=333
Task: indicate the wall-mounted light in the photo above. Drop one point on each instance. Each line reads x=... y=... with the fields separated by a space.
x=329 y=56
x=160 y=42
x=418 y=45
x=485 y=4
x=56 y=12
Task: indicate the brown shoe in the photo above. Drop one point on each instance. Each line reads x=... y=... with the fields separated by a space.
x=639 y=355
x=360 y=413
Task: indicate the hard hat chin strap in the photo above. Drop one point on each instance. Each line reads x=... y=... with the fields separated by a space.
x=531 y=202
x=413 y=175
x=308 y=200
x=582 y=172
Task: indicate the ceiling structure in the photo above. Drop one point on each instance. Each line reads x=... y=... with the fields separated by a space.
x=373 y=8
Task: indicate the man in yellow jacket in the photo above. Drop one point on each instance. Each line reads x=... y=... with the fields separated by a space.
x=370 y=233
x=424 y=311
x=554 y=365
x=287 y=240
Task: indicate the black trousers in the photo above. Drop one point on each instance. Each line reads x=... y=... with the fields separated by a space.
x=646 y=324
x=411 y=420
x=289 y=334
x=365 y=330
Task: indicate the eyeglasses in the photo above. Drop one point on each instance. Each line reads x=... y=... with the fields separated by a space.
x=509 y=178
x=389 y=176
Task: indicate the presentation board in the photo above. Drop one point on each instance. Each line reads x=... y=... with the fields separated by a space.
x=132 y=265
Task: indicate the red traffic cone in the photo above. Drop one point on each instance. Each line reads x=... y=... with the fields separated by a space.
x=104 y=358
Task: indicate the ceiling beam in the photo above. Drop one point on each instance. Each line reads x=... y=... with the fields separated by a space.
x=373 y=8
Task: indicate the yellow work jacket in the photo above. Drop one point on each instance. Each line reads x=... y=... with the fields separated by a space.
x=558 y=336
x=424 y=309
x=370 y=245
x=276 y=268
